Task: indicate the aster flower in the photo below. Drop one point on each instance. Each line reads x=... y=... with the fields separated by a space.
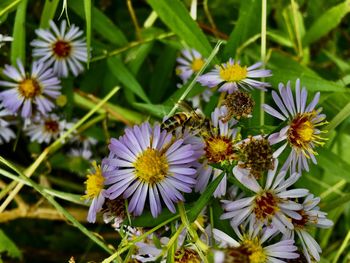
x=61 y=47
x=6 y=134
x=4 y=38
x=44 y=129
x=250 y=246
x=232 y=76
x=219 y=149
x=150 y=163
x=190 y=63
x=82 y=146
x=301 y=132
x=311 y=216
x=95 y=191
x=270 y=204
x=27 y=91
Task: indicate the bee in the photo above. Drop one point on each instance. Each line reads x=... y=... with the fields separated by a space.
x=194 y=120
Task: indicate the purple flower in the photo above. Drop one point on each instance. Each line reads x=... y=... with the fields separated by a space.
x=301 y=132
x=271 y=204
x=190 y=63
x=219 y=149
x=27 y=91
x=150 y=163
x=95 y=191
x=232 y=76
x=47 y=128
x=6 y=134
x=62 y=48
x=310 y=216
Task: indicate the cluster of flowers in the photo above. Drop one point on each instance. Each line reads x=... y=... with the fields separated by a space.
x=34 y=96
x=153 y=165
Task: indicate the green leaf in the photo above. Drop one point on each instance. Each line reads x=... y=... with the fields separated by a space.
x=163 y=70
x=19 y=34
x=341 y=64
x=339 y=118
x=292 y=70
x=48 y=12
x=157 y=110
x=120 y=71
x=102 y=24
x=7 y=6
x=175 y=15
x=7 y=245
x=326 y=22
x=279 y=38
x=58 y=207
x=248 y=25
x=332 y=163
x=203 y=200
x=87 y=10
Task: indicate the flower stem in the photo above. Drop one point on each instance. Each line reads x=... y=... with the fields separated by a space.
x=263 y=54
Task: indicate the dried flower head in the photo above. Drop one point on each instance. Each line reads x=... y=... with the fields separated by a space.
x=239 y=104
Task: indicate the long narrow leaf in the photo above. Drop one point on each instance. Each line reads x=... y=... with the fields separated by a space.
x=48 y=13
x=87 y=10
x=19 y=34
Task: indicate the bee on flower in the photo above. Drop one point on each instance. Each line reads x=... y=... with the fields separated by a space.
x=231 y=76
x=301 y=133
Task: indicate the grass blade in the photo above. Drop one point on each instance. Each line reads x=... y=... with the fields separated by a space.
x=19 y=34
x=87 y=9
x=48 y=13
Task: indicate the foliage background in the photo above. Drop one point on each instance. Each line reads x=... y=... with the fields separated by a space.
x=135 y=49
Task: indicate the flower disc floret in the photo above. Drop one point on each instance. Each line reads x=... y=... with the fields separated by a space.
x=29 y=88
x=61 y=48
x=233 y=72
x=151 y=166
x=94 y=182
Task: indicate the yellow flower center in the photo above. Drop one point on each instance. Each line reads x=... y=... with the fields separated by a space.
x=233 y=73
x=250 y=251
x=94 y=182
x=186 y=255
x=218 y=149
x=255 y=250
x=151 y=166
x=197 y=64
x=266 y=205
x=301 y=132
x=29 y=88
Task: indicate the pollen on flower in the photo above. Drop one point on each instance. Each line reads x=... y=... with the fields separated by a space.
x=233 y=73
x=61 y=48
x=94 y=182
x=256 y=155
x=151 y=166
x=239 y=104
x=29 y=88
x=218 y=149
x=186 y=255
x=302 y=131
x=266 y=205
x=250 y=251
x=197 y=64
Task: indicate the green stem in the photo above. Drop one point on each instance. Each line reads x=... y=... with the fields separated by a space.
x=54 y=147
x=131 y=45
x=58 y=207
x=263 y=54
x=193 y=82
x=342 y=248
